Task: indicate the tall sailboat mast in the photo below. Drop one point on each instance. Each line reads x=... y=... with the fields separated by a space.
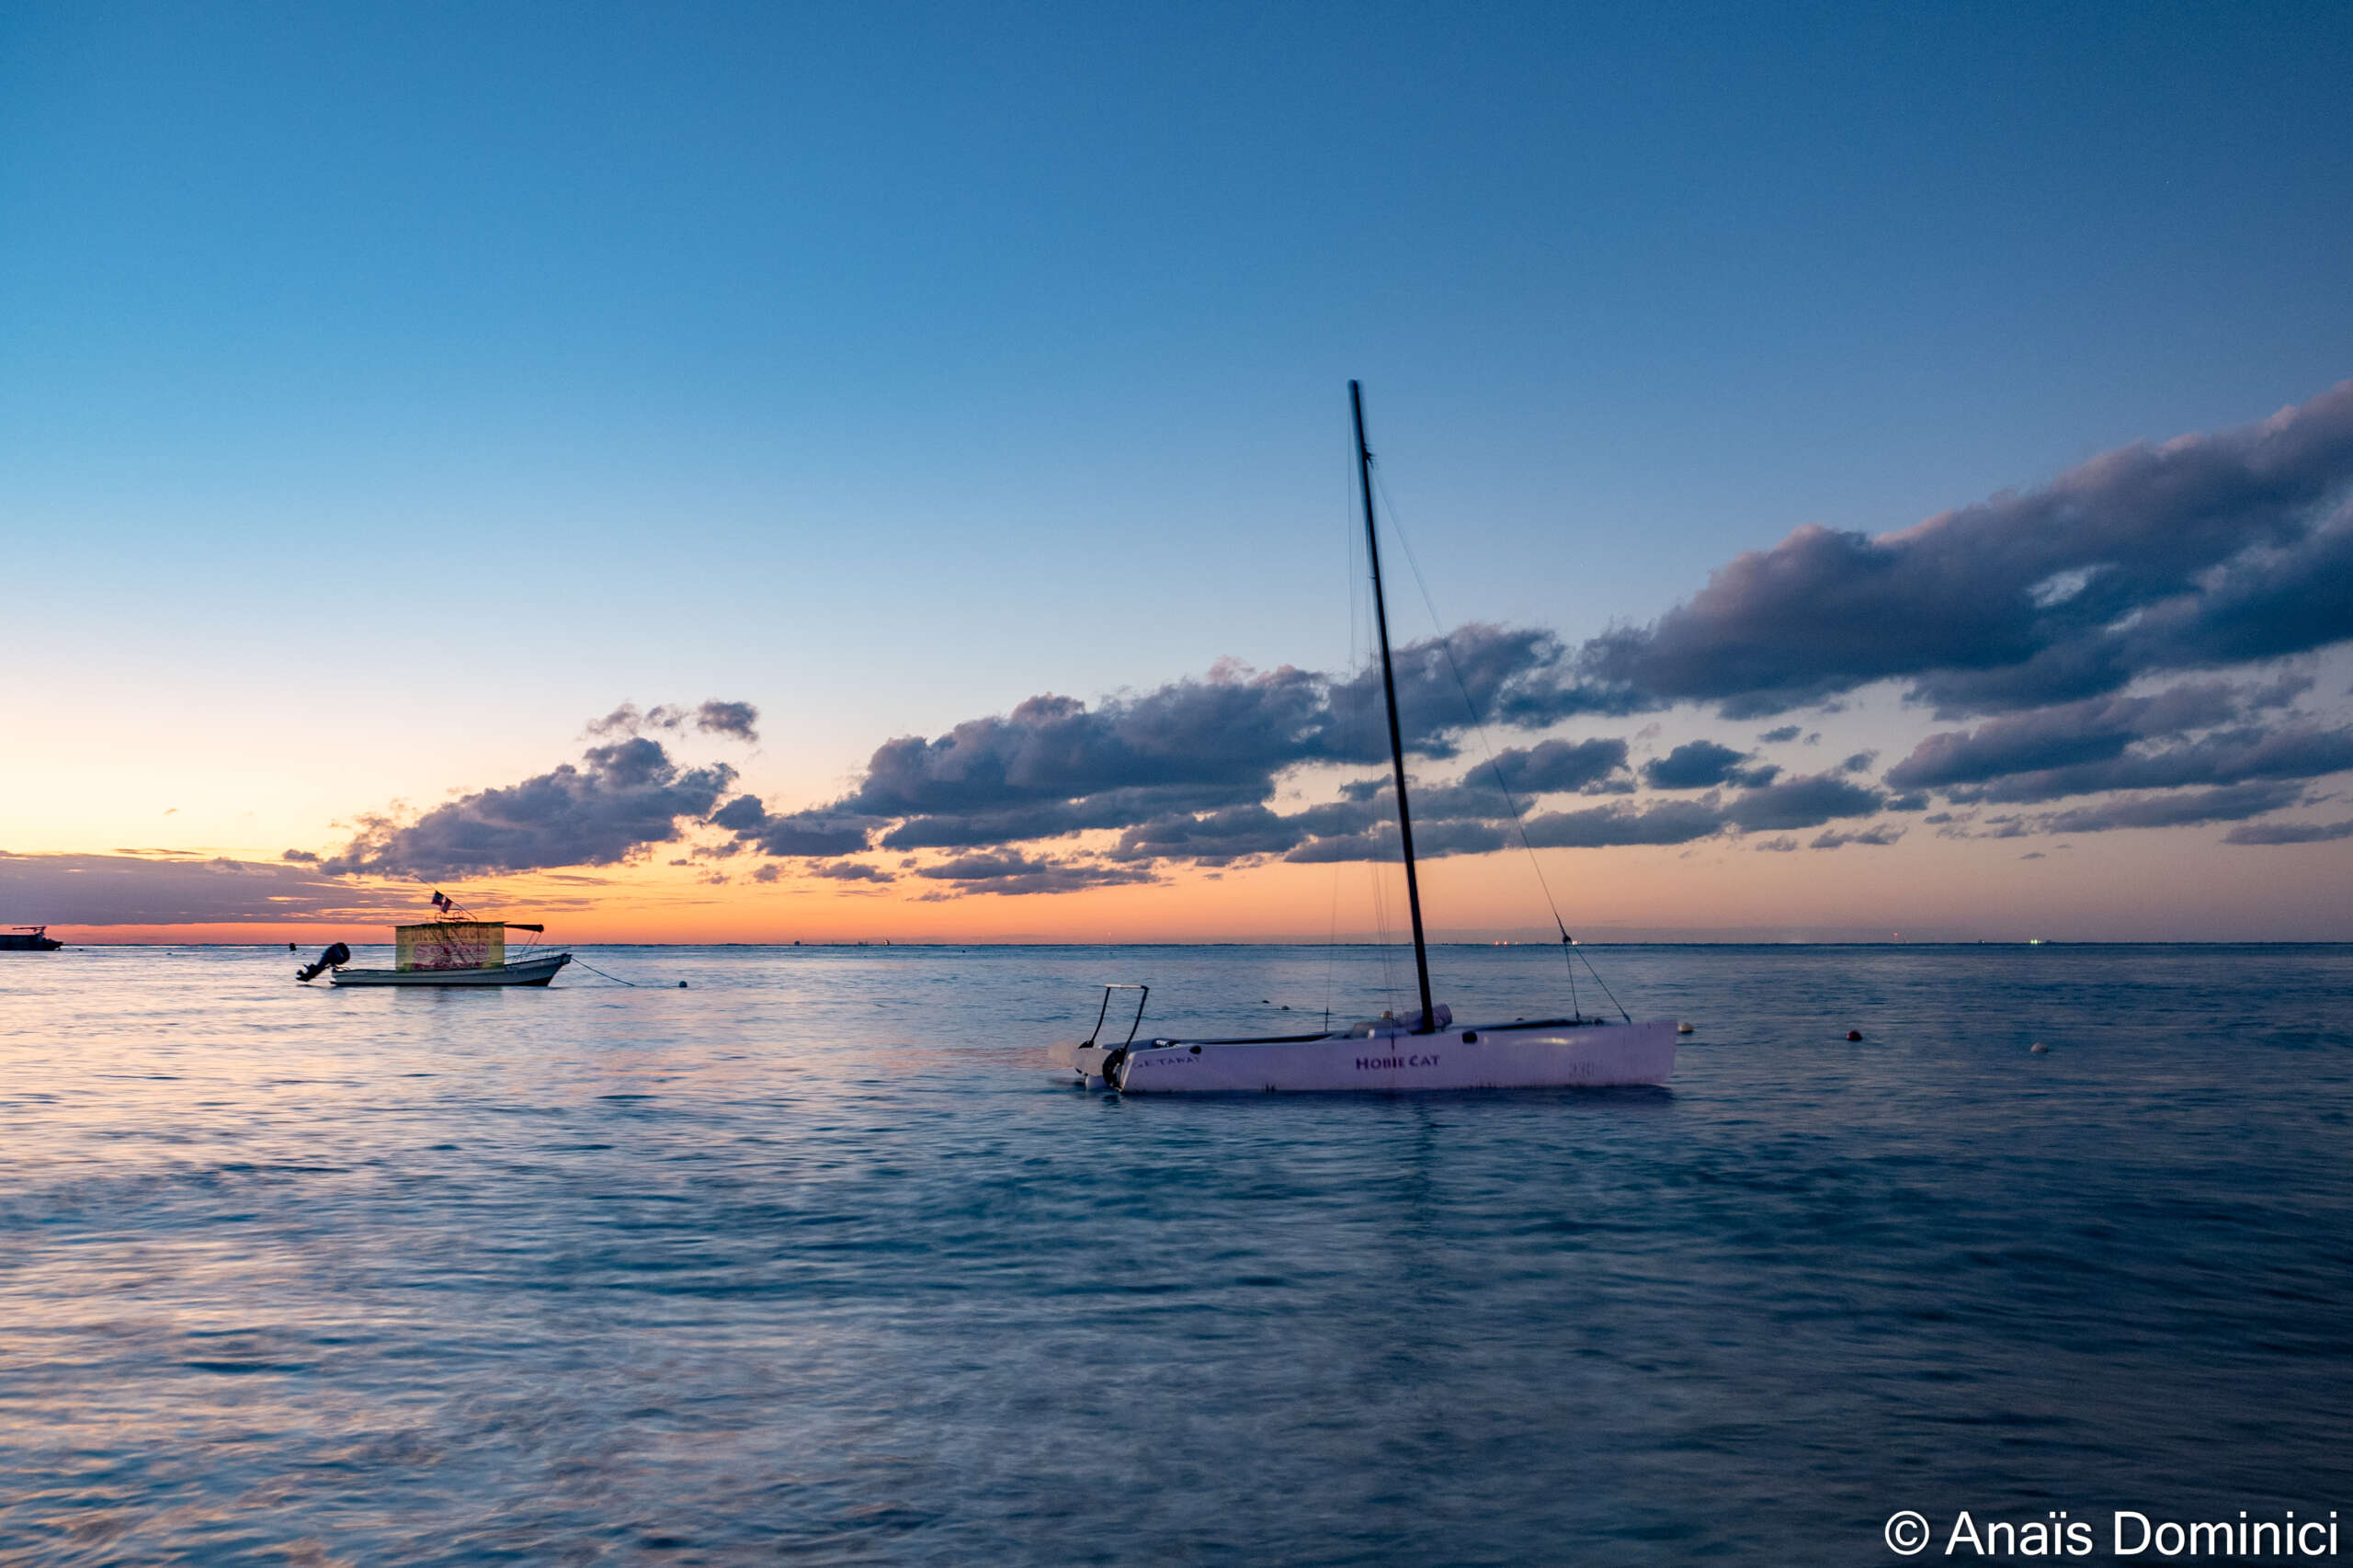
x=1389 y=687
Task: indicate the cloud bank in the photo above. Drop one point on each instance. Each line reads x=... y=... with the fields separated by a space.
x=2077 y=632
x=2197 y=553
x=162 y=888
x=2041 y=610
x=622 y=798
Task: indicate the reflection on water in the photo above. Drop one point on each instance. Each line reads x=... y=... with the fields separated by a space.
x=814 y=1260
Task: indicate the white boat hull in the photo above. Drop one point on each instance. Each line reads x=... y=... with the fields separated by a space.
x=1504 y=1056
x=529 y=971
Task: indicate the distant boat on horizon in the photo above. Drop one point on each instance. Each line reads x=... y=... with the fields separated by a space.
x=28 y=939
x=1425 y=1050
x=456 y=950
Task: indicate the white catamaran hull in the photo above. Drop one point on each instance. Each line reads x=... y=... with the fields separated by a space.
x=1508 y=1056
x=529 y=971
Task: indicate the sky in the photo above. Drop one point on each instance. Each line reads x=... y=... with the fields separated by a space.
x=762 y=473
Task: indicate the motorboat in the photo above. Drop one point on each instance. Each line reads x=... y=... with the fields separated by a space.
x=456 y=950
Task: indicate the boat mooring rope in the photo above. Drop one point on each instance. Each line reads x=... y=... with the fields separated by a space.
x=616 y=978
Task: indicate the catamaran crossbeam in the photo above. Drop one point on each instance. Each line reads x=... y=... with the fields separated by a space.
x=1387 y=1054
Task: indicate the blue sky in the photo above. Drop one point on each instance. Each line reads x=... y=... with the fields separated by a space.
x=887 y=368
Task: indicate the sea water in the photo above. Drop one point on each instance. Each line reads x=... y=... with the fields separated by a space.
x=814 y=1260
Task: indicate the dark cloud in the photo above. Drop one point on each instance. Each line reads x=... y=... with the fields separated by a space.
x=1558 y=767
x=1431 y=841
x=851 y=872
x=1703 y=764
x=742 y=814
x=1189 y=766
x=1834 y=838
x=1667 y=822
x=1019 y=874
x=1514 y=677
x=2197 y=553
x=623 y=797
x=626 y=720
x=814 y=833
x=2093 y=729
x=820 y=832
x=1052 y=819
x=2227 y=758
x=1778 y=736
x=181 y=890
x=2288 y=833
x=1184 y=774
x=1224 y=738
x=300 y=858
x=1216 y=838
x=1858 y=763
x=1801 y=802
x=1475 y=798
x=739 y=720
x=2109 y=743
x=2232 y=803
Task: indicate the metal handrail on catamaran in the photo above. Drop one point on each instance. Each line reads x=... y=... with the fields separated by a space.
x=1386 y=1053
x=1134 y=1023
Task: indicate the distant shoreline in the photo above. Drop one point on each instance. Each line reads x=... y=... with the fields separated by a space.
x=806 y=945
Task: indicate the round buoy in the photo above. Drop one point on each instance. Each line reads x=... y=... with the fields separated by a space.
x=2039 y=1049
x=1854 y=1034
x=682 y=986
x=1683 y=1029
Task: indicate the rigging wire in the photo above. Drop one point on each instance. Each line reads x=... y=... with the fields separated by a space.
x=1519 y=820
x=1376 y=874
x=1339 y=869
x=1603 y=983
x=1361 y=722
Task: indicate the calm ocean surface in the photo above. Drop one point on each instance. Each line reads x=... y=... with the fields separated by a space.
x=813 y=1261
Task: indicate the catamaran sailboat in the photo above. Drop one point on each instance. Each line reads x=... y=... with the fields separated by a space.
x=1425 y=1050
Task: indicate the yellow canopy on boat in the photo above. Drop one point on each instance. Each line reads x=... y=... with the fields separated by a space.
x=450 y=944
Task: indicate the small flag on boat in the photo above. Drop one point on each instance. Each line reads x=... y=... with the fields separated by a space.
x=441 y=903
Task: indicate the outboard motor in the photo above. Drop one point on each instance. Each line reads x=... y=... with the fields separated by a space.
x=335 y=957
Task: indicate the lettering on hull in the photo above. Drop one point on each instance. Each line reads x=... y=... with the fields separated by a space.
x=1373 y=1064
